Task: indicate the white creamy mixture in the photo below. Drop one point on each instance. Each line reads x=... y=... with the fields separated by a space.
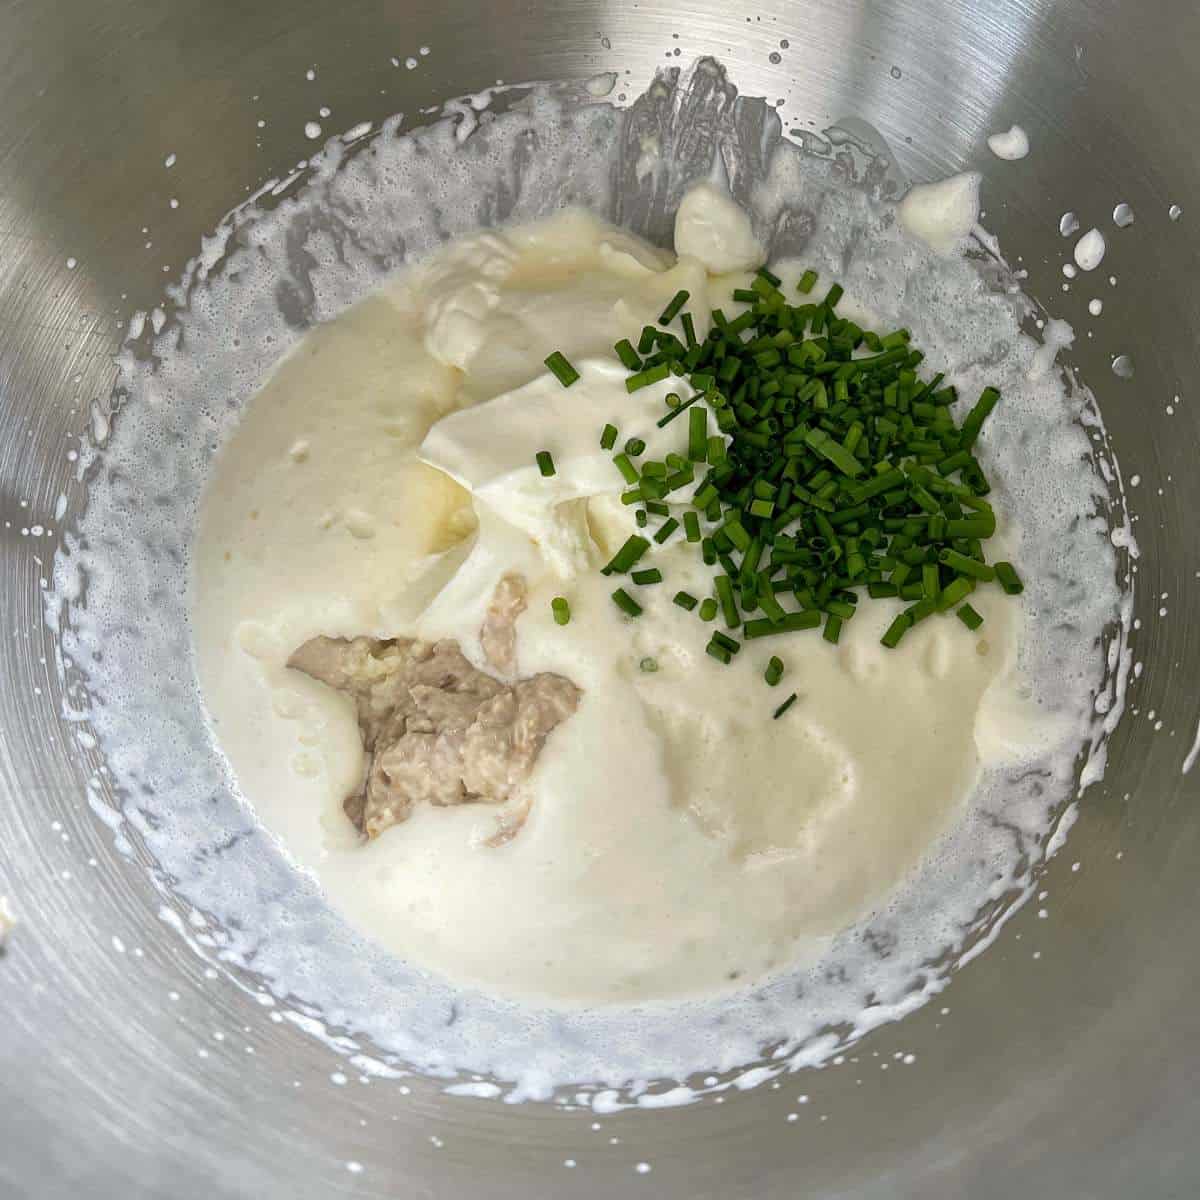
x=680 y=840
x=294 y=380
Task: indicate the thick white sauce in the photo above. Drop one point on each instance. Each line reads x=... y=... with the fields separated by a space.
x=681 y=841
x=191 y=382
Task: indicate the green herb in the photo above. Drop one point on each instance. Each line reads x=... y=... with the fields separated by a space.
x=774 y=672
x=1008 y=579
x=608 y=438
x=626 y=603
x=628 y=470
x=634 y=446
x=665 y=530
x=969 y=617
x=561 y=369
x=896 y=630
x=785 y=706
x=672 y=310
x=629 y=553
x=728 y=606
x=708 y=609
x=628 y=355
x=698 y=434
x=561 y=610
x=807 y=281
x=646 y=577
x=649 y=665
x=685 y=600
x=651 y=375
x=545 y=463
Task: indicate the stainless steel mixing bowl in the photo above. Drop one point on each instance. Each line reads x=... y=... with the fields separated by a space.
x=1068 y=1061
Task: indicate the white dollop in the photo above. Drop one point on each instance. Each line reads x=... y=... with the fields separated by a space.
x=711 y=227
x=1123 y=215
x=1089 y=250
x=1095 y=307
x=1058 y=335
x=942 y=214
x=1068 y=224
x=1010 y=145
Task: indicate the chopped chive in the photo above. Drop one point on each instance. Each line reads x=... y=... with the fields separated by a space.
x=768 y=277
x=784 y=706
x=761 y=508
x=973 y=422
x=669 y=313
x=833 y=628
x=545 y=463
x=708 y=609
x=931 y=582
x=1008 y=578
x=691 y=525
x=967 y=566
x=608 y=438
x=956 y=590
x=792 y=623
x=663 y=422
x=641 y=518
x=648 y=665
x=716 y=650
x=628 y=355
x=629 y=553
x=698 y=434
x=969 y=617
x=896 y=630
x=651 y=375
x=561 y=610
x=807 y=281
x=728 y=606
x=774 y=672
x=715 y=450
x=665 y=530
x=561 y=369
x=723 y=639
x=646 y=577
x=657 y=508
x=626 y=603
x=685 y=600
x=647 y=339
x=635 y=446
x=834 y=294
x=628 y=470
x=689 y=329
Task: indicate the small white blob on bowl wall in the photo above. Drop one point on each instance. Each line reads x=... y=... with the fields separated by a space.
x=1011 y=145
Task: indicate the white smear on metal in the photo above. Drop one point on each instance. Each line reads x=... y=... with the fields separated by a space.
x=1068 y=223
x=8 y=922
x=600 y=85
x=1190 y=761
x=1123 y=216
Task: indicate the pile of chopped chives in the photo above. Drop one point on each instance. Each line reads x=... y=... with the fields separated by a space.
x=833 y=470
